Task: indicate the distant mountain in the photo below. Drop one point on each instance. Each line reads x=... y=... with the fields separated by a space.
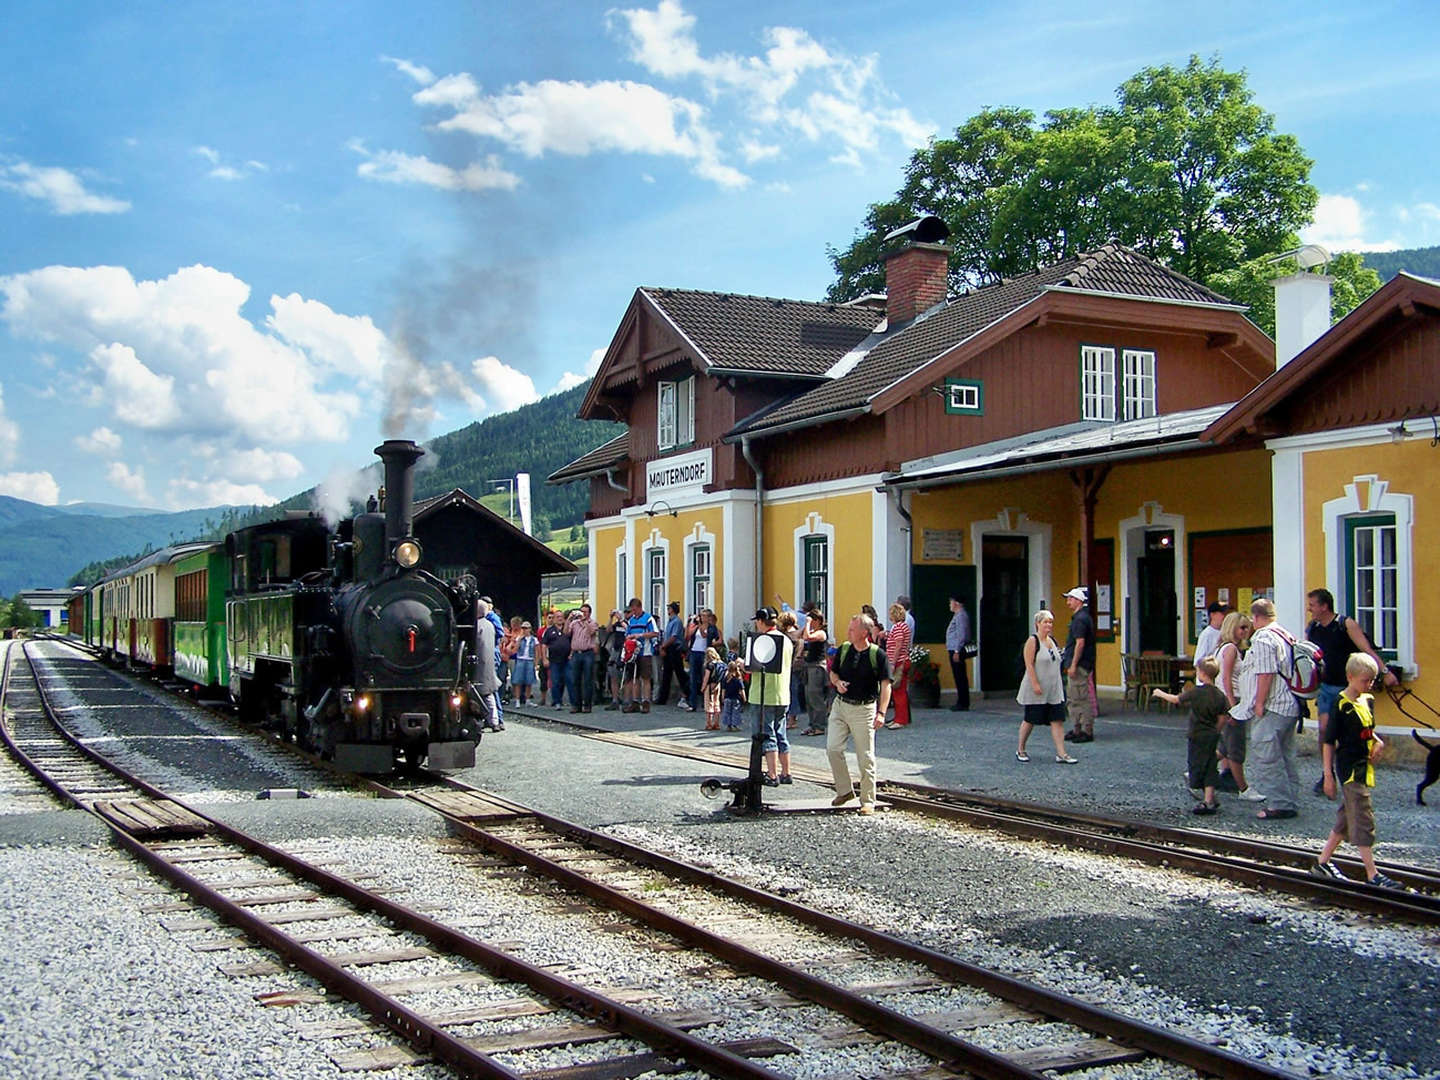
x=94 y=509
x=1424 y=262
x=42 y=546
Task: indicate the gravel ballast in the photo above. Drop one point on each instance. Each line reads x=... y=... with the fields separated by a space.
x=1307 y=989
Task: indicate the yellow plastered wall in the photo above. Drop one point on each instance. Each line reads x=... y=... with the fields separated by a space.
x=1213 y=493
x=607 y=539
x=703 y=524
x=1041 y=498
x=851 y=555
x=1409 y=468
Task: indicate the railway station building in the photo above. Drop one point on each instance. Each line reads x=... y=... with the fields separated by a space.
x=1352 y=428
x=1004 y=445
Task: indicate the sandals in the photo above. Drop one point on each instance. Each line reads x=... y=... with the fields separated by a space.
x=1066 y=759
x=1022 y=757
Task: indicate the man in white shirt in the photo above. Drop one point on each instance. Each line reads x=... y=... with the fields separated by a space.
x=1209 y=639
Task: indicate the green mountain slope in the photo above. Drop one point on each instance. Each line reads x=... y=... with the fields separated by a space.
x=1422 y=261
x=45 y=546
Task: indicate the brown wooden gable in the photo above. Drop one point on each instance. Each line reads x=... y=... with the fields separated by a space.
x=1380 y=364
x=646 y=349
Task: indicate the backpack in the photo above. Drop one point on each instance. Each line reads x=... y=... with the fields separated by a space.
x=1307 y=664
x=870 y=652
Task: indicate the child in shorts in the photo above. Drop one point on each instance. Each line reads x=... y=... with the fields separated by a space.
x=732 y=689
x=714 y=674
x=1348 y=749
x=1207 y=705
x=522 y=675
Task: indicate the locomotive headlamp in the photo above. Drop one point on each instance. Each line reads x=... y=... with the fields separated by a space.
x=362 y=703
x=407 y=553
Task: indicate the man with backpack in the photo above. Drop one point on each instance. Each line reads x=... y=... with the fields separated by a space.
x=1339 y=637
x=861 y=678
x=1268 y=704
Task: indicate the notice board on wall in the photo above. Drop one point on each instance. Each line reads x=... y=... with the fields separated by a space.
x=1235 y=563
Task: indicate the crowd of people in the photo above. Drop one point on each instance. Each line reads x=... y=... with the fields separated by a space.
x=1244 y=709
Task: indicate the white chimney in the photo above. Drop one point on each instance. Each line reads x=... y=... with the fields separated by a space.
x=1302 y=313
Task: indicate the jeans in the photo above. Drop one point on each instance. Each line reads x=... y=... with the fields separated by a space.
x=817 y=693
x=559 y=669
x=768 y=721
x=582 y=678
x=697 y=677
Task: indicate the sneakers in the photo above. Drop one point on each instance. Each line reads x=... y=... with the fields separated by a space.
x=771 y=781
x=685 y=705
x=1379 y=881
x=1205 y=809
x=1250 y=795
x=786 y=779
x=842 y=798
x=1326 y=870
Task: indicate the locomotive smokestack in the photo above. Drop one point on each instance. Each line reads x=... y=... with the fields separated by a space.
x=399 y=456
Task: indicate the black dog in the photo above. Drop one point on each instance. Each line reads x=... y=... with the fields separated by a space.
x=1432 y=765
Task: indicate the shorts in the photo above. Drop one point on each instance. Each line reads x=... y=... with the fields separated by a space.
x=1040 y=715
x=1232 y=742
x=1355 y=820
x=523 y=673
x=770 y=720
x=1204 y=768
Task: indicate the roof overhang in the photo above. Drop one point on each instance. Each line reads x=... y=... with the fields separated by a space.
x=1399 y=298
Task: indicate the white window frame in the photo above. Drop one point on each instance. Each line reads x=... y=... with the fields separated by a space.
x=1139 y=383
x=675 y=420
x=702 y=577
x=1097 y=383
x=1369 y=495
x=656 y=589
x=816 y=526
x=1384 y=574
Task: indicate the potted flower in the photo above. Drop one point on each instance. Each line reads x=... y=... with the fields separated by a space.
x=924 y=679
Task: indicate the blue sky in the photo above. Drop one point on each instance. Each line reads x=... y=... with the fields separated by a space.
x=243 y=243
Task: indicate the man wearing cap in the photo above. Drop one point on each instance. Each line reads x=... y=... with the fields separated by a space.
x=769 y=697
x=1078 y=663
x=861 y=678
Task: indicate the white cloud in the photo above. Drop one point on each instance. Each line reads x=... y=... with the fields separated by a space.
x=209 y=154
x=847 y=102
x=570 y=379
x=453 y=91
x=61 y=188
x=102 y=441
x=122 y=479
x=185 y=494
x=756 y=151
x=421 y=74
x=1342 y=224
x=136 y=394
x=36 y=487
x=222 y=171
x=503 y=387
x=9 y=434
x=182 y=341
x=263 y=465
x=576 y=119
x=394 y=167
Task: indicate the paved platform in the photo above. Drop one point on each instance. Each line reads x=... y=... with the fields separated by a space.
x=1134 y=768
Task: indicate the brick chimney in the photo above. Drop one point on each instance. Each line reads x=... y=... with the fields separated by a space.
x=916 y=275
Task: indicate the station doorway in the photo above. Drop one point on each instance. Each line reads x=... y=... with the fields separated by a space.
x=1004 y=609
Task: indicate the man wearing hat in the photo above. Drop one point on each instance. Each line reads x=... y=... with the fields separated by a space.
x=769 y=697
x=1078 y=663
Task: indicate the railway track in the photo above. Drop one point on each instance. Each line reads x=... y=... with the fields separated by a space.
x=1256 y=863
x=287 y=904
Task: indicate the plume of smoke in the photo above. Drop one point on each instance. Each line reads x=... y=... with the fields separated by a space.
x=456 y=309
x=342 y=491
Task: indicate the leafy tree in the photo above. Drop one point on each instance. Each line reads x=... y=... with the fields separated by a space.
x=577 y=532
x=1185 y=168
x=22 y=615
x=1252 y=283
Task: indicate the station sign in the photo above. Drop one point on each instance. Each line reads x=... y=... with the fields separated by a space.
x=679 y=474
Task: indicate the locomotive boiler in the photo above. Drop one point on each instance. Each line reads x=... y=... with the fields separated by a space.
x=342 y=641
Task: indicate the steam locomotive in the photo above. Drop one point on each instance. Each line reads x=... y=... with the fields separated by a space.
x=335 y=637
